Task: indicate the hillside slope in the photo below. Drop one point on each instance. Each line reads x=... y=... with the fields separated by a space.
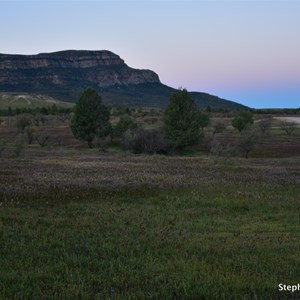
x=26 y=100
x=64 y=75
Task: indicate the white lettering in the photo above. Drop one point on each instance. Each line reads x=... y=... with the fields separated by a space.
x=291 y=288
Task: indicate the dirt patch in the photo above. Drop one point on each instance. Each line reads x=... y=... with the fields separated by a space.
x=289 y=119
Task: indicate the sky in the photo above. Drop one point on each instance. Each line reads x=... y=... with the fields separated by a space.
x=244 y=51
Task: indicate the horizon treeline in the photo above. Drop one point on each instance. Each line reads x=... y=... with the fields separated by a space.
x=54 y=109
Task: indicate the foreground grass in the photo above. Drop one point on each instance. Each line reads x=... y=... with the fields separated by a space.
x=222 y=231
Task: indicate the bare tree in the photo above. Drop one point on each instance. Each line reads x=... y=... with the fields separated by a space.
x=288 y=127
x=218 y=127
x=264 y=125
x=23 y=121
x=247 y=142
x=42 y=137
x=29 y=132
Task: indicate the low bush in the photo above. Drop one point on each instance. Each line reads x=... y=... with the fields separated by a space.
x=149 y=141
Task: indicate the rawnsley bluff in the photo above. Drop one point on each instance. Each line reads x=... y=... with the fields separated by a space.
x=63 y=75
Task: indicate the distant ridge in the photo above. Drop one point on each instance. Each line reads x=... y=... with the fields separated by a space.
x=64 y=74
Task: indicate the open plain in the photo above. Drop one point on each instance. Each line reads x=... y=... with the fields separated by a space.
x=78 y=223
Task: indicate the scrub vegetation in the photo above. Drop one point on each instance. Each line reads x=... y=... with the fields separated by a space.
x=199 y=222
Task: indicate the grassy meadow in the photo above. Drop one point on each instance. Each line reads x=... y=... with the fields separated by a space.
x=76 y=223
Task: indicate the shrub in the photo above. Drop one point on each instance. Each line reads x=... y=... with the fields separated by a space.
x=29 y=133
x=40 y=119
x=22 y=122
x=149 y=141
x=220 y=149
x=123 y=125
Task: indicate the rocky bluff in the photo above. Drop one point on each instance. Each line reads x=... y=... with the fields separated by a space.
x=68 y=69
x=64 y=75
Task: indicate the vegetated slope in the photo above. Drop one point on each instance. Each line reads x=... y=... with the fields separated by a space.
x=157 y=95
x=17 y=100
x=63 y=75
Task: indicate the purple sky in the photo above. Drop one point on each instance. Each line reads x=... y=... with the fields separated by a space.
x=245 y=51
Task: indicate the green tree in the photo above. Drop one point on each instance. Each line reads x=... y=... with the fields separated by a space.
x=91 y=117
x=183 y=120
x=242 y=120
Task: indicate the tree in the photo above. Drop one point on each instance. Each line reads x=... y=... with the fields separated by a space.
x=242 y=120
x=264 y=125
x=218 y=127
x=91 y=117
x=29 y=132
x=288 y=127
x=183 y=120
x=203 y=120
x=247 y=142
x=42 y=137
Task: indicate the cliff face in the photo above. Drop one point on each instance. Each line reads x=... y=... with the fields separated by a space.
x=69 y=70
x=64 y=75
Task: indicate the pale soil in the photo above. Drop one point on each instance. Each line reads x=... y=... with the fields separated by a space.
x=289 y=119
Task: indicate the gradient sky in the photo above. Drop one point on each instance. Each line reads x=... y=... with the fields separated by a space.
x=245 y=51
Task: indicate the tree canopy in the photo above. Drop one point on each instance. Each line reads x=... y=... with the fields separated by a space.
x=242 y=120
x=183 y=120
x=91 y=117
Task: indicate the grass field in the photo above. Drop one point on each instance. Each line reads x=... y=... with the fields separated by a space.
x=76 y=223
x=117 y=226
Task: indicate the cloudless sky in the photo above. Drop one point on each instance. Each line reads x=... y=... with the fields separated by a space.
x=245 y=51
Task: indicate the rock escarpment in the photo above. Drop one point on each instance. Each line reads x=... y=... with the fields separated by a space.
x=64 y=75
x=68 y=70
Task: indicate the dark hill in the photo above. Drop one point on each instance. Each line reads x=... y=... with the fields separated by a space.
x=63 y=75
